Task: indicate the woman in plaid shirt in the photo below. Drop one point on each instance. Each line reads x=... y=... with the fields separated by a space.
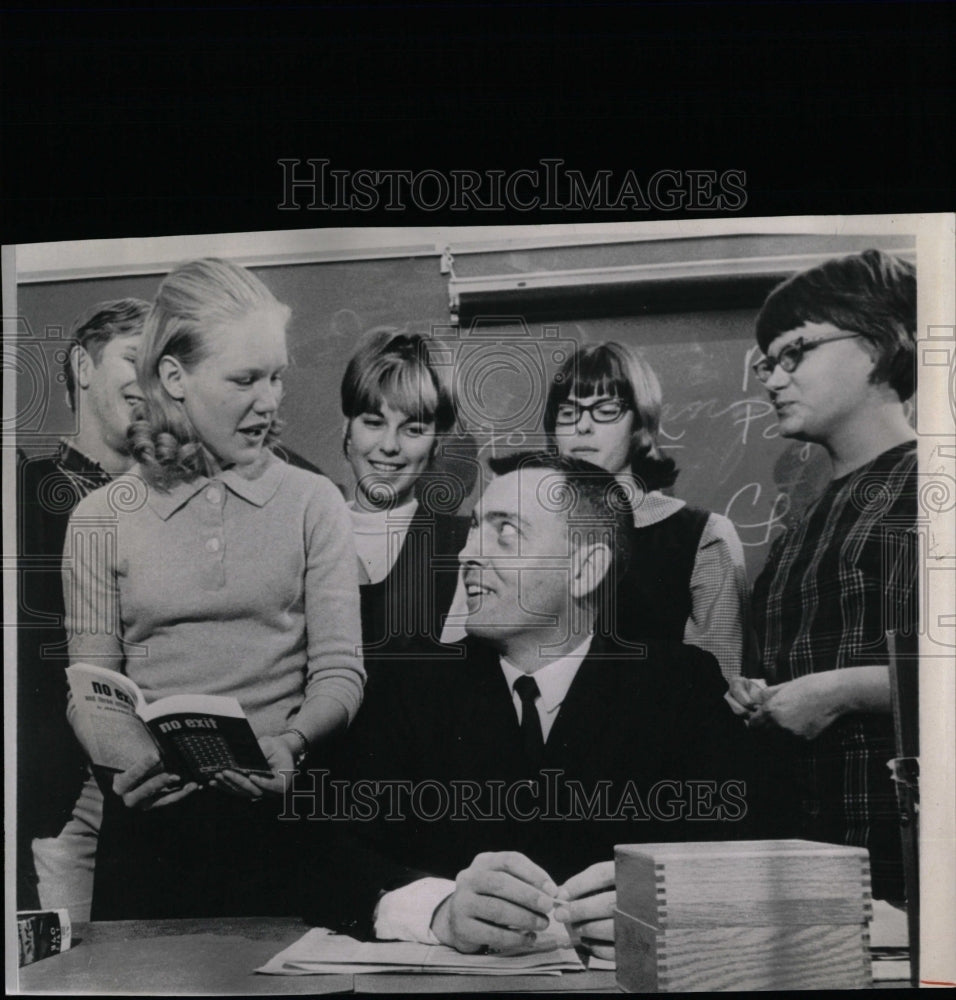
x=839 y=341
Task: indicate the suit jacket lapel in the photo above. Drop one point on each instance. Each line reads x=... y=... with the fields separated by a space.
x=582 y=724
x=488 y=724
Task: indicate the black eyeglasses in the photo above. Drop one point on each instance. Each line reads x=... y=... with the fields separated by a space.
x=604 y=411
x=790 y=356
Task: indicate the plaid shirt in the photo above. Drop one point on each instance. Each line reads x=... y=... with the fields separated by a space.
x=84 y=474
x=49 y=488
x=833 y=584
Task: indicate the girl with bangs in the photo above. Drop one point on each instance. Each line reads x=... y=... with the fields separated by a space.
x=214 y=567
x=686 y=580
x=397 y=408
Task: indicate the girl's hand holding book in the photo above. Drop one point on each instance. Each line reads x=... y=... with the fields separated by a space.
x=278 y=752
x=142 y=786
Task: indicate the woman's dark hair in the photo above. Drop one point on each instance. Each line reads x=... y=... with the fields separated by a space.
x=872 y=294
x=615 y=370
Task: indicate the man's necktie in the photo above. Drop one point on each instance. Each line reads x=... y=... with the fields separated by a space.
x=527 y=688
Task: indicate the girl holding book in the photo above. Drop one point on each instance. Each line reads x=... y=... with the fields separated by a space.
x=214 y=567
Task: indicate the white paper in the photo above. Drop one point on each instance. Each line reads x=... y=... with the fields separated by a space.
x=321 y=951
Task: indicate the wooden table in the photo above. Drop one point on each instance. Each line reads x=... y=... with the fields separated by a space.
x=219 y=956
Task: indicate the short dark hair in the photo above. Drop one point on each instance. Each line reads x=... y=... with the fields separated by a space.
x=597 y=499
x=400 y=368
x=95 y=328
x=871 y=293
x=618 y=371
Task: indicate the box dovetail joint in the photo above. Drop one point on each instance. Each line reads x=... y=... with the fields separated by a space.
x=742 y=915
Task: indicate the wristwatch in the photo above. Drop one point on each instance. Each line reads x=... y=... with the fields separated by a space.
x=299 y=757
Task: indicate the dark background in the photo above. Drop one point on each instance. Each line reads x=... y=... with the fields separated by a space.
x=170 y=121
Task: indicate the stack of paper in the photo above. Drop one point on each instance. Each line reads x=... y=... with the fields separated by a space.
x=322 y=951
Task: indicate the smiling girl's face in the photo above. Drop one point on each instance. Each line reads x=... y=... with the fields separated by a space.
x=388 y=450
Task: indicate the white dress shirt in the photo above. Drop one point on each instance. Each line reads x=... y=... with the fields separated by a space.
x=553 y=681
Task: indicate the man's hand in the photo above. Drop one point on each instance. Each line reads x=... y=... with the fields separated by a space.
x=501 y=901
x=144 y=787
x=804 y=706
x=746 y=694
x=586 y=905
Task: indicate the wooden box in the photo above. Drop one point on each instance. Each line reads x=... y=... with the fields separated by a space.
x=742 y=915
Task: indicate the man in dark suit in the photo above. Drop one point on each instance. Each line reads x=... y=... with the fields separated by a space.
x=515 y=770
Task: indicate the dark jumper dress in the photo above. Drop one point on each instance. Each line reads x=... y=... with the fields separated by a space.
x=653 y=598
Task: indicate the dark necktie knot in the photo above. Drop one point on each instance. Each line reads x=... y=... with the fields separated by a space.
x=527 y=688
x=531 y=736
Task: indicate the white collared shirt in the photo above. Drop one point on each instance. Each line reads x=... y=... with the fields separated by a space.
x=553 y=681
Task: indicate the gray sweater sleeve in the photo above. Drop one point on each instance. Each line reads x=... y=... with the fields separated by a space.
x=332 y=610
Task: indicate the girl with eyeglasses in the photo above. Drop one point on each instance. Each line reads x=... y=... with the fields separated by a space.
x=686 y=580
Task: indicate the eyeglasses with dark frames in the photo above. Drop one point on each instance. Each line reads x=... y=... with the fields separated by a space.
x=790 y=356
x=604 y=411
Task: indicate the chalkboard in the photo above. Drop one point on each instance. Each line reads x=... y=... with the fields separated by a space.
x=717 y=421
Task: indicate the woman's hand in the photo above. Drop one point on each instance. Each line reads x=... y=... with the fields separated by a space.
x=804 y=706
x=278 y=752
x=746 y=694
x=146 y=786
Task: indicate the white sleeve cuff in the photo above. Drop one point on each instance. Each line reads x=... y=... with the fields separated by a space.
x=406 y=914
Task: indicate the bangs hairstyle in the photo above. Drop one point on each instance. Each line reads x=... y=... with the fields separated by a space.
x=872 y=294
x=395 y=367
x=95 y=328
x=194 y=299
x=610 y=369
